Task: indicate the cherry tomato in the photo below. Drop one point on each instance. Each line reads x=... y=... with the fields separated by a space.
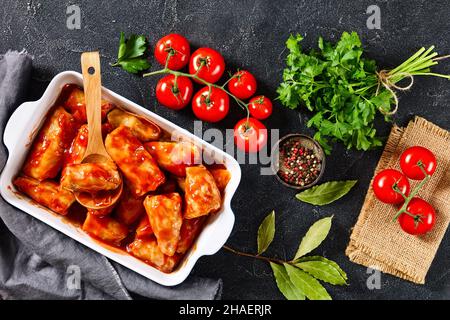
x=260 y=107
x=383 y=186
x=250 y=135
x=412 y=157
x=213 y=64
x=423 y=218
x=178 y=46
x=174 y=95
x=211 y=108
x=242 y=85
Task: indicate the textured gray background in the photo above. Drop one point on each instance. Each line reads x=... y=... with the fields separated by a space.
x=251 y=35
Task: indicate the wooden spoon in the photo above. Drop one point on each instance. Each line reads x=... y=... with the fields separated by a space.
x=95 y=151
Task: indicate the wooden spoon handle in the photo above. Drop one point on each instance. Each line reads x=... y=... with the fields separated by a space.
x=90 y=65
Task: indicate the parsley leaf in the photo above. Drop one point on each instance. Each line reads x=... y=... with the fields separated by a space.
x=132 y=54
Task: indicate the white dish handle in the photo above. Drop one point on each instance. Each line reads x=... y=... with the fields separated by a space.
x=16 y=123
x=227 y=224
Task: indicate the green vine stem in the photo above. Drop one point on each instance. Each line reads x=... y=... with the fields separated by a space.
x=195 y=76
x=412 y=194
x=254 y=256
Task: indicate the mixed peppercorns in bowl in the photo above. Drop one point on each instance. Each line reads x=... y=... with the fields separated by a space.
x=298 y=161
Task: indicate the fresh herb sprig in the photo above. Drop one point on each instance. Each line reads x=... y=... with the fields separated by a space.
x=298 y=279
x=344 y=90
x=132 y=54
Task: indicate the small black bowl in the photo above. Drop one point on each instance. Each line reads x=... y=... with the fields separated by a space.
x=306 y=142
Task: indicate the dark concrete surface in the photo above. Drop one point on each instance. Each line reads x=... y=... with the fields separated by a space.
x=251 y=35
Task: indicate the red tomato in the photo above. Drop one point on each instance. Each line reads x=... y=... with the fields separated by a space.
x=412 y=157
x=383 y=186
x=250 y=135
x=423 y=218
x=213 y=68
x=178 y=46
x=242 y=85
x=174 y=95
x=211 y=108
x=260 y=107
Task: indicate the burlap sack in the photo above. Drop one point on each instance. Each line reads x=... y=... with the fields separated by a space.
x=379 y=242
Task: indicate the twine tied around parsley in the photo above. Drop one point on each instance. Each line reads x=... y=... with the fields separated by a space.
x=384 y=79
x=418 y=64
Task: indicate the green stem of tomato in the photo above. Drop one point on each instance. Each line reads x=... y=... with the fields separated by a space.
x=170 y=53
x=195 y=76
x=154 y=73
x=397 y=189
x=413 y=192
x=208 y=99
x=175 y=83
x=411 y=214
x=226 y=82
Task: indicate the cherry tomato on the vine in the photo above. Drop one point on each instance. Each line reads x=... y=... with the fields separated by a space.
x=260 y=107
x=383 y=186
x=412 y=157
x=211 y=107
x=421 y=217
x=242 y=84
x=177 y=46
x=174 y=95
x=210 y=62
x=250 y=135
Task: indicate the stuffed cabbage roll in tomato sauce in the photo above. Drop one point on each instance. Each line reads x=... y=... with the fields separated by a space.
x=75 y=153
x=189 y=231
x=45 y=158
x=143 y=129
x=90 y=177
x=137 y=165
x=164 y=214
x=201 y=193
x=129 y=207
x=174 y=156
x=105 y=228
x=222 y=176
x=77 y=149
x=76 y=104
x=149 y=251
x=144 y=229
x=47 y=193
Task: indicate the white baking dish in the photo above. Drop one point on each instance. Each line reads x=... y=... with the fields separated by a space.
x=24 y=125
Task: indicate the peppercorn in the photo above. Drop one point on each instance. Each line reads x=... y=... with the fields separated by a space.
x=298 y=164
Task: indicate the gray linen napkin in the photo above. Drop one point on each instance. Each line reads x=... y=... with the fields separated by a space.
x=39 y=262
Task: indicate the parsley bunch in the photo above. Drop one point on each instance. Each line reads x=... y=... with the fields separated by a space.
x=344 y=90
